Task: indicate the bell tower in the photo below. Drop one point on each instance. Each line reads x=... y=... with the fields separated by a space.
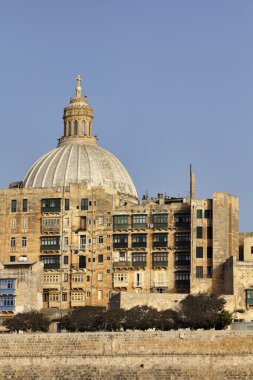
x=77 y=118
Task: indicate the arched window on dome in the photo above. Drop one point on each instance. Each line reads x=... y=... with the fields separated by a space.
x=69 y=128
x=75 y=128
x=83 y=128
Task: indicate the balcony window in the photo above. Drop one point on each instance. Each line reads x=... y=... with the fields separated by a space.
x=139 y=221
x=50 y=243
x=77 y=277
x=183 y=259
x=249 y=297
x=51 y=205
x=182 y=277
x=7 y=285
x=139 y=240
x=160 y=240
x=120 y=241
x=199 y=232
x=120 y=222
x=160 y=220
x=84 y=204
x=120 y=277
x=50 y=224
x=182 y=220
x=13 y=205
x=139 y=260
x=7 y=303
x=182 y=239
x=160 y=259
x=51 y=262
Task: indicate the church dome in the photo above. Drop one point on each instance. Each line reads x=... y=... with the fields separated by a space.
x=78 y=158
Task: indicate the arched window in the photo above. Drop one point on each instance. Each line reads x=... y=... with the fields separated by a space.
x=83 y=128
x=75 y=128
x=69 y=128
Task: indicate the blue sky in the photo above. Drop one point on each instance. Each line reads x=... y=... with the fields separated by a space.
x=170 y=81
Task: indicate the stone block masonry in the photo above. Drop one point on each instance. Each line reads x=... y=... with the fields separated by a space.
x=150 y=355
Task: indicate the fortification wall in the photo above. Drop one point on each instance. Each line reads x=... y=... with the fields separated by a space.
x=128 y=355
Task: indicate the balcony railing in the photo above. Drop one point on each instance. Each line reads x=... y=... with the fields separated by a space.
x=7 y=308
x=54 y=247
x=139 y=225
x=56 y=208
x=157 y=244
x=160 y=264
x=160 y=225
x=139 y=264
x=183 y=224
x=123 y=226
x=182 y=243
x=182 y=263
x=122 y=264
x=7 y=291
x=160 y=284
x=120 y=284
x=139 y=244
x=55 y=229
x=120 y=245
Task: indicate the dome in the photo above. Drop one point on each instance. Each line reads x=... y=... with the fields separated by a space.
x=80 y=162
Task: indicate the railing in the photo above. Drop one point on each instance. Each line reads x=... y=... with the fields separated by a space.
x=122 y=264
x=182 y=243
x=139 y=225
x=55 y=247
x=7 y=291
x=160 y=284
x=120 y=284
x=159 y=244
x=51 y=209
x=139 y=244
x=50 y=229
x=183 y=224
x=162 y=263
x=120 y=245
x=139 y=264
x=7 y=308
x=160 y=225
x=120 y=226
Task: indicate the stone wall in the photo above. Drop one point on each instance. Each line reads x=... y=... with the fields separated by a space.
x=128 y=355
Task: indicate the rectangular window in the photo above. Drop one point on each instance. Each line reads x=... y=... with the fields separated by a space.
x=83 y=223
x=100 y=239
x=101 y=220
x=50 y=262
x=66 y=222
x=120 y=277
x=160 y=240
x=160 y=259
x=12 y=259
x=100 y=294
x=100 y=258
x=13 y=223
x=120 y=221
x=65 y=277
x=66 y=240
x=100 y=276
x=82 y=262
x=209 y=232
x=13 y=205
x=140 y=221
x=208 y=214
x=50 y=243
x=209 y=252
x=139 y=260
x=24 y=242
x=209 y=271
x=251 y=249
x=7 y=284
x=120 y=241
x=25 y=205
x=24 y=223
x=182 y=239
x=65 y=260
x=82 y=241
x=182 y=220
x=199 y=232
x=199 y=214
x=88 y=278
x=199 y=252
x=51 y=205
x=183 y=259
x=13 y=242
x=64 y=297
x=160 y=220
x=84 y=204
x=199 y=272
x=7 y=303
x=66 y=204
x=139 y=240
x=77 y=277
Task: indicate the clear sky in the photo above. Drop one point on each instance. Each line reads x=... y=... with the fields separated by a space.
x=170 y=81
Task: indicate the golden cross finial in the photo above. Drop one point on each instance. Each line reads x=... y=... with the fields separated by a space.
x=78 y=87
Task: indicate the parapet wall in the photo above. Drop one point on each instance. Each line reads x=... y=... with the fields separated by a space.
x=128 y=355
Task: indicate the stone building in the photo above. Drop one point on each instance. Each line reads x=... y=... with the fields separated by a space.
x=78 y=213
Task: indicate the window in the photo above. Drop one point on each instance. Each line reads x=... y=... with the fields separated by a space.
x=54 y=297
x=139 y=259
x=199 y=214
x=182 y=220
x=182 y=259
x=88 y=278
x=24 y=242
x=209 y=271
x=160 y=220
x=199 y=272
x=75 y=127
x=7 y=284
x=50 y=242
x=51 y=205
x=51 y=278
x=51 y=224
x=199 y=232
x=139 y=220
x=208 y=214
x=100 y=276
x=66 y=222
x=51 y=262
x=100 y=258
x=66 y=204
x=120 y=221
x=24 y=223
x=13 y=205
x=12 y=259
x=120 y=241
x=82 y=262
x=7 y=302
x=251 y=249
x=249 y=297
x=199 y=252
x=182 y=276
x=69 y=128
x=209 y=252
x=66 y=240
x=120 y=277
x=101 y=220
x=13 y=242
x=77 y=297
x=159 y=240
x=83 y=223
x=100 y=294
x=82 y=241
x=84 y=204
x=77 y=277
x=65 y=277
x=209 y=232
x=65 y=260
x=13 y=223
x=24 y=205
x=83 y=128
x=182 y=239
x=139 y=240
x=108 y=247
x=160 y=259
x=100 y=239
x=64 y=297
